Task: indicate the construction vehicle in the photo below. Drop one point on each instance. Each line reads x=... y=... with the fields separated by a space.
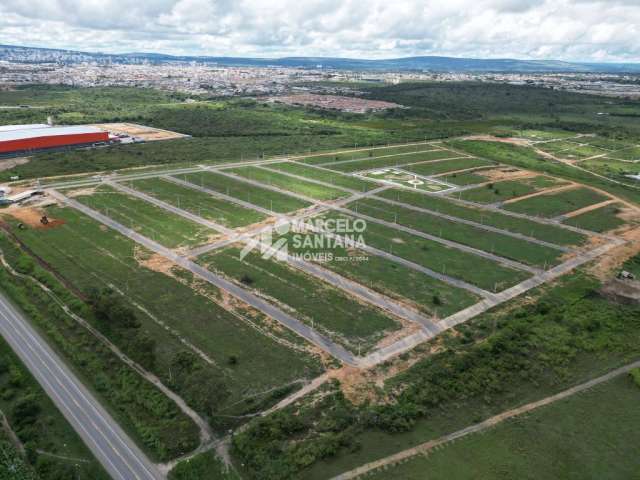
x=44 y=220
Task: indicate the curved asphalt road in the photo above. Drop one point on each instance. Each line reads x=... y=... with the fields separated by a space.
x=120 y=457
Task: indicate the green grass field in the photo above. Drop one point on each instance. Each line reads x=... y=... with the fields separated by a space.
x=501 y=245
x=435 y=256
x=307 y=298
x=199 y=203
x=164 y=227
x=508 y=189
x=465 y=178
x=555 y=204
x=533 y=229
x=366 y=154
x=294 y=185
x=599 y=220
x=631 y=153
x=427 y=294
x=436 y=168
x=88 y=256
x=588 y=436
x=274 y=201
x=391 y=161
x=337 y=179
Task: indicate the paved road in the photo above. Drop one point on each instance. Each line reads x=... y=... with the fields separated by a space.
x=245 y=296
x=423 y=448
x=108 y=442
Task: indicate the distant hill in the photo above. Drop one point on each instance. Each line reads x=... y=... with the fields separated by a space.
x=425 y=63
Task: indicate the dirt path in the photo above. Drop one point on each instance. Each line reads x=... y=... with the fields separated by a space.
x=478 y=427
x=17 y=443
x=539 y=193
x=589 y=208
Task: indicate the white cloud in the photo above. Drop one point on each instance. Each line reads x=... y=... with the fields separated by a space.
x=561 y=29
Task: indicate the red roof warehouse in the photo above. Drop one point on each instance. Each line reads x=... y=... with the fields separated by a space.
x=18 y=138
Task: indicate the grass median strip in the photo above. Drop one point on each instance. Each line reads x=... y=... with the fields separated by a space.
x=436 y=168
x=337 y=179
x=541 y=231
x=427 y=294
x=501 y=245
x=199 y=203
x=366 y=154
x=471 y=268
x=284 y=182
x=391 y=161
x=318 y=303
x=154 y=222
x=262 y=197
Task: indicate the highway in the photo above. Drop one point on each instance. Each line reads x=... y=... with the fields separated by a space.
x=111 y=446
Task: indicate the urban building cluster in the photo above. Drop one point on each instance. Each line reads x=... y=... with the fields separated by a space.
x=206 y=78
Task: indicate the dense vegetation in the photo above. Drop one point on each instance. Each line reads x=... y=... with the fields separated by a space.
x=497 y=361
x=42 y=431
x=150 y=416
x=573 y=439
x=226 y=130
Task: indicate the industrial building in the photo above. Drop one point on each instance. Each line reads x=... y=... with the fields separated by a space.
x=27 y=138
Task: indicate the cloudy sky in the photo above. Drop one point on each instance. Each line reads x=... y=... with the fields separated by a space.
x=600 y=30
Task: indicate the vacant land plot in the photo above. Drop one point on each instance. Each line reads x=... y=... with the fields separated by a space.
x=199 y=203
x=160 y=225
x=605 y=143
x=573 y=439
x=262 y=197
x=555 y=204
x=557 y=146
x=391 y=161
x=599 y=220
x=284 y=182
x=508 y=189
x=501 y=245
x=435 y=256
x=367 y=154
x=632 y=154
x=572 y=150
x=464 y=178
x=184 y=319
x=445 y=166
x=390 y=278
x=318 y=303
x=549 y=233
x=337 y=179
